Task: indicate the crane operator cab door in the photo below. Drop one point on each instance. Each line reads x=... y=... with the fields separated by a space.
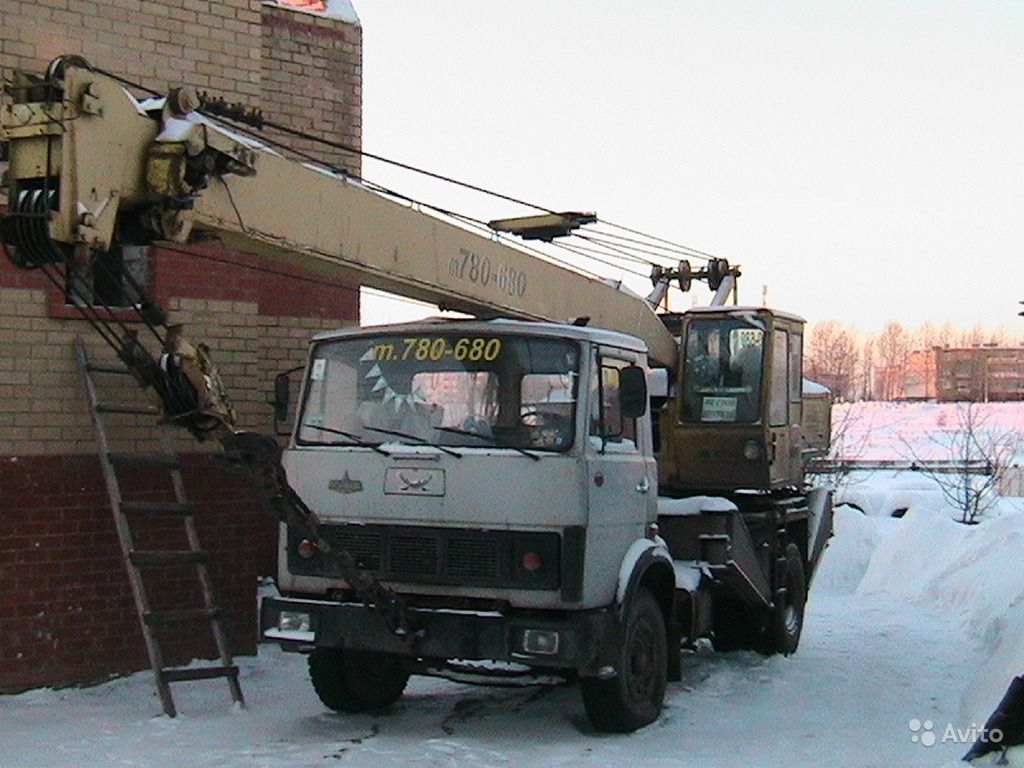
x=735 y=422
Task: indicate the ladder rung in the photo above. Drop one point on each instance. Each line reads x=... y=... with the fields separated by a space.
x=163 y=618
x=156 y=508
x=147 y=460
x=140 y=410
x=167 y=557
x=197 y=673
x=102 y=368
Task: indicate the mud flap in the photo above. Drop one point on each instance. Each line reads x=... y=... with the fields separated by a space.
x=819 y=527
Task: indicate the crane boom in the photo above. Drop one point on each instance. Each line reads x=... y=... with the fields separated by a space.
x=176 y=175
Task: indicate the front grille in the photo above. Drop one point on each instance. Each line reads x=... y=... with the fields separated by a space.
x=473 y=558
x=413 y=556
x=430 y=555
x=362 y=543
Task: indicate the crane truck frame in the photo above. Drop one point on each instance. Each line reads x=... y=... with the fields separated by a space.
x=572 y=483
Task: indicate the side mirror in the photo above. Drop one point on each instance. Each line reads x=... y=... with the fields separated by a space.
x=282 y=397
x=633 y=392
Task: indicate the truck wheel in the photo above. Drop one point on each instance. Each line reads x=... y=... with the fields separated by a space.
x=633 y=698
x=787 y=618
x=356 y=681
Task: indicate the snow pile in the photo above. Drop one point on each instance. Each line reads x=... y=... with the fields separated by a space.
x=886 y=493
x=970 y=574
x=893 y=497
x=849 y=552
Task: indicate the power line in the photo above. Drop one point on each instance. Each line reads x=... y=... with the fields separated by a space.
x=664 y=252
x=687 y=249
x=588 y=253
x=611 y=251
x=343 y=147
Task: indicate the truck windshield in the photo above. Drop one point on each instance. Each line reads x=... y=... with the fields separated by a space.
x=443 y=388
x=722 y=371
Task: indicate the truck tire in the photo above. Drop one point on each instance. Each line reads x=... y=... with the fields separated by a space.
x=633 y=698
x=356 y=681
x=786 y=621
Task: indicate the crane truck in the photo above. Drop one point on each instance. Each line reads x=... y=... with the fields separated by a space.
x=567 y=483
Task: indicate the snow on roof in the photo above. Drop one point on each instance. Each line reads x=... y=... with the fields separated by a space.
x=335 y=9
x=814 y=388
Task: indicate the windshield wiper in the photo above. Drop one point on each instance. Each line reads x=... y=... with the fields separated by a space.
x=469 y=433
x=416 y=439
x=356 y=439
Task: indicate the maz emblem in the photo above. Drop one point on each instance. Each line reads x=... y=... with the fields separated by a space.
x=414 y=483
x=345 y=485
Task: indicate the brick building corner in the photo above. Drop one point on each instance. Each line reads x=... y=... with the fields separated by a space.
x=66 y=613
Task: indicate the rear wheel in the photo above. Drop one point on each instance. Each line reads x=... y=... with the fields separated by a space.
x=633 y=698
x=786 y=621
x=356 y=681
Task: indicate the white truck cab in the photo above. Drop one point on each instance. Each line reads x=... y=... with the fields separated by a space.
x=498 y=475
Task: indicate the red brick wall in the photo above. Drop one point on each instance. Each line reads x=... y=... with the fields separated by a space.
x=66 y=614
x=66 y=610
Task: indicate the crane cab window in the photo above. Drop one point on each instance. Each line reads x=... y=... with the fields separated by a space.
x=778 y=410
x=723 y=370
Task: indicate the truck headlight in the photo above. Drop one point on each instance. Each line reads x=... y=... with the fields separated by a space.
x=751 y=450
x=293 y=621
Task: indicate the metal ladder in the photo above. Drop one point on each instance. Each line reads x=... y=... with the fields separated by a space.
x=136 y=561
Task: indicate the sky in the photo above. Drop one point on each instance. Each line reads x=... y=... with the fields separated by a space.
x=861 y=161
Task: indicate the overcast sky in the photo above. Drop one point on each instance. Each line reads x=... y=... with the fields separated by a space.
x=863 y=160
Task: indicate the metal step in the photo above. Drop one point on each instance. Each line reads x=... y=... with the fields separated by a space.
x=167 y=557
x=138 y=410
x=156 y=508
x=105 y=368
x=166 y=618
x=198 y=673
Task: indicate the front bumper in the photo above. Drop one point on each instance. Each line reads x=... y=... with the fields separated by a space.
x=584 y=637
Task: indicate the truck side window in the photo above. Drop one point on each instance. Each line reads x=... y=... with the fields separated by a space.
x=778 y=410
x=796 y=377
x=606 y=419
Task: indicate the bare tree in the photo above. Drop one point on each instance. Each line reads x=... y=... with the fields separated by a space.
x=947 y=336
x=831 y=358
x=848 y=444
x=927 y=336
x=866 y=373
x=975 y=457
x=973 y=337
x=893 y=348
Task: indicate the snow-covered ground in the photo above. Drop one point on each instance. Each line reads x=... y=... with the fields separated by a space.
x=880 y=430
x=911 y=620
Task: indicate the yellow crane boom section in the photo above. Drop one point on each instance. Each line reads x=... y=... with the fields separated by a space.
x=184 y=175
